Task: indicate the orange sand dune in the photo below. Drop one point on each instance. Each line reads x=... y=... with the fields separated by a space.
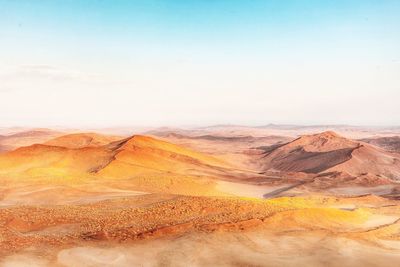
x=150 y=164
x=79 y=140
x=390 y=143
x=95 y=200
x=12 y=141
x=367 y=159
x=143 y=154
x=329 y=152
x=52 y=161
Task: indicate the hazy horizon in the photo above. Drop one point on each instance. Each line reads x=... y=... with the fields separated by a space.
x=187 y=126
x=170 y=63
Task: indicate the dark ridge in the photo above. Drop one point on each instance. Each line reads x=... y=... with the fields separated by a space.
x=102 y=165
x=327 y=174
x=113 y=146
x=117 y=144
x=279 y=191
x=268 y=149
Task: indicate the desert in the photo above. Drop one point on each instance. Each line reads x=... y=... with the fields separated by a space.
x=167 y=199
x=223 y=133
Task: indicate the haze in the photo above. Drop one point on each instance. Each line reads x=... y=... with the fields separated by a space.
x=112 y=63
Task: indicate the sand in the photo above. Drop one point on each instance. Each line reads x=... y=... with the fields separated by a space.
x=221 y=249
x=95 y=200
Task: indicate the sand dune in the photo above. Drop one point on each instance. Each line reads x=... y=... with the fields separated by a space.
x=94 y=200
x=81 y=140
x=140 y=151
x=13 y=140
x=390 y=143
x=329 y=152
x=146 y=163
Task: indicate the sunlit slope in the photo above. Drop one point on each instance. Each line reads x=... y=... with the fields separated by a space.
x=52 y=161
x=143 y=154
x=143 y=162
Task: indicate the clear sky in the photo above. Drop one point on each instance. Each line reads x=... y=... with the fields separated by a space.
x=182 y=62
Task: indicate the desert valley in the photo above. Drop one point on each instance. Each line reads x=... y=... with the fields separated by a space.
x=211 y=196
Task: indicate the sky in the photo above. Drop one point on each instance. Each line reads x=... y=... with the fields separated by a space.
x=190 y=62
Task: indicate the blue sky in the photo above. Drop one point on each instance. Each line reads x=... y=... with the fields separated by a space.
x=199 y=62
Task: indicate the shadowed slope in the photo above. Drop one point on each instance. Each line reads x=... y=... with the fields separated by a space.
x=330 y=152
x=309 y=153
